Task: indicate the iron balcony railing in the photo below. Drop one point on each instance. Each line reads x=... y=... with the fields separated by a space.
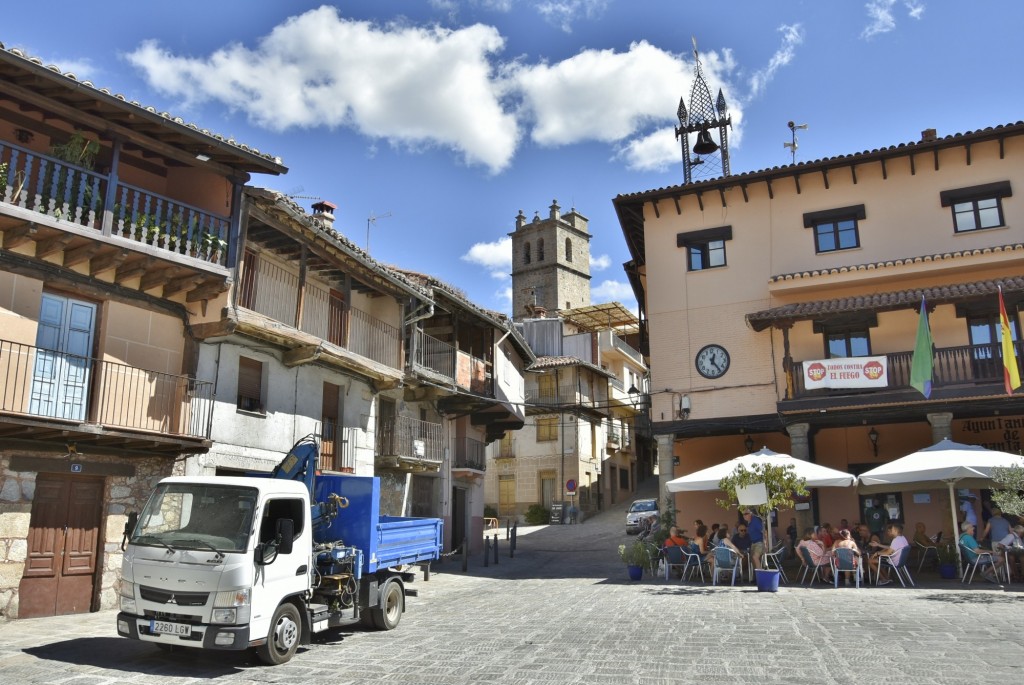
x=337 y=447
x=403 y=436
x=45 y=383
x=963 y=365
x=506 y=448
x=470 y=454
x=64 y=191
x=435 y=354
x=273 y=291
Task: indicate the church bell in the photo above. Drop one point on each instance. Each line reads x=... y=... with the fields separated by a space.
x=704 y=144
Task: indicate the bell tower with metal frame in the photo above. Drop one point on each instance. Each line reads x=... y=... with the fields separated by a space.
x=709 y=159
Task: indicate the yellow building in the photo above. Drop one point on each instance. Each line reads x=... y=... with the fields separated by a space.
x=763 y=293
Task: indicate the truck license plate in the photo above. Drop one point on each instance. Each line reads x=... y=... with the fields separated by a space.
x=168 y=628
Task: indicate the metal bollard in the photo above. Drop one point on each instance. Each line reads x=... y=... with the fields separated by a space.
x=495 y=549
x=513 y=541
x=426 y=572
x=487 y=551
x=465 y=555
x=508 y=527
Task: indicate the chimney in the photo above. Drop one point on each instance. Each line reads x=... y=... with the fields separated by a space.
x=324 y=211
x=928 y=135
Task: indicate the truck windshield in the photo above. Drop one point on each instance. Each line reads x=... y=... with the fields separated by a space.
x=198 y=517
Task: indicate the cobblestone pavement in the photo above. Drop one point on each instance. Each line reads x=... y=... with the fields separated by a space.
x=562 y=611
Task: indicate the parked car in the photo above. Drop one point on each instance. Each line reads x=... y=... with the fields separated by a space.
x=637 y=512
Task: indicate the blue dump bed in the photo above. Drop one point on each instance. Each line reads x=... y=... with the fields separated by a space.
x=384 y=540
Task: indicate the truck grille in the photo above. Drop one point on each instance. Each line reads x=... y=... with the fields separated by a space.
x=182 y=599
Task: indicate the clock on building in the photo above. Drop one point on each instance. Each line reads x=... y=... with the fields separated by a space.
x=712 y=361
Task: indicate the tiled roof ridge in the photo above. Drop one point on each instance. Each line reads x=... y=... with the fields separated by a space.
x=813 y=164
x=300 y=213
x=453 y=291
x=902 y=261
x=886 y=301
x=17 y=52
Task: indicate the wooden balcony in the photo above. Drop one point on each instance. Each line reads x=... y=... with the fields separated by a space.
x=270 y=290
x=88 y=217
x=54 y=396
x=958 y=372
x=409 y=444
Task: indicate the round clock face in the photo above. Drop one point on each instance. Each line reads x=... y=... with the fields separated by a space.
x=712 y=361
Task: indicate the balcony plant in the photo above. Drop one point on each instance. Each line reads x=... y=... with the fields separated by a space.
x=211 y=246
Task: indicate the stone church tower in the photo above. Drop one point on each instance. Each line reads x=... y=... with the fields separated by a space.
x=550 y=263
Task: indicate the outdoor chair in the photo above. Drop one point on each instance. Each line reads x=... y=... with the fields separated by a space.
x=846 y=561
x=694 y=562
x=726 y=561
x=773 y=559
x=981 y=558
x=923 y=551
x=897 y=561
x=810 y=566
x=674 y=558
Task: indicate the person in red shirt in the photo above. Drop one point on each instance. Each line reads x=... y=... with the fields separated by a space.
x=674 y=539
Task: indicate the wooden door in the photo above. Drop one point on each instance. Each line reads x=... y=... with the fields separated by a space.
x=506 y=495
x=63 y=546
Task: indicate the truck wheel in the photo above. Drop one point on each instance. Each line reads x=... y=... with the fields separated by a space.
x=283 y=639
x=392 y=603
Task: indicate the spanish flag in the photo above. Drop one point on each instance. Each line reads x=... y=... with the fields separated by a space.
x=1011 y=375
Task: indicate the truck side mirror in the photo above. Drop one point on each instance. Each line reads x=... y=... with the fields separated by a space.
x=285 y=535
x=129 y=527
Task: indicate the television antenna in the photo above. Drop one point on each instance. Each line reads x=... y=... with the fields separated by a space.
x=372 y=220
x=795 y=143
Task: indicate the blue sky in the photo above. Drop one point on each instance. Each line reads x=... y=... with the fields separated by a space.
x=446 y=117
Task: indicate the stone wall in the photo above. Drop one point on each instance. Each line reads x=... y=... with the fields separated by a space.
x=121 y=494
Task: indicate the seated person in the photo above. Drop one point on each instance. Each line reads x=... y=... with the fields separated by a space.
x=819 y=556
x=697 y=544
x=741 y=540
x=921 y=537
x=721 y=540
x=674 y=539
x=972 y=550
x=897 y=543
x=845 y=541
x=825 y=536
x=1013 y=545
x=997 y=527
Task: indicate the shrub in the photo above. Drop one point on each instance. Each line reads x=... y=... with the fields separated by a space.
x=537 y=515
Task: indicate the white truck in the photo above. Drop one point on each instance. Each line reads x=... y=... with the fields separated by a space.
x=264 y=562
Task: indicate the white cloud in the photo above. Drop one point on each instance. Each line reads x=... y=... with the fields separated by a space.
x=415 y=87
x=563 y=13
x=496 y=257
x=792 y=36
x=505 y=296
x=612 y=291
x=655 y=151
x=600 y=263
x=881 y=14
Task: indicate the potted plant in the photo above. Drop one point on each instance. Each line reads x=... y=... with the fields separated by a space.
x=637 y=556
x=776 y=486
x=946 y=554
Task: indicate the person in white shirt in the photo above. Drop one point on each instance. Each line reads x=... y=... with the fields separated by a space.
x=967 y=506
x=898 y=543
x=1013 y=544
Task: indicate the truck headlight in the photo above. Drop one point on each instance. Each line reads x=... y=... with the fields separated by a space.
x=231 y=606
x=232 y=598
x=126 y=590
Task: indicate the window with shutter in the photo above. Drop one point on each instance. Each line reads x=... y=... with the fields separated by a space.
x=250 y=385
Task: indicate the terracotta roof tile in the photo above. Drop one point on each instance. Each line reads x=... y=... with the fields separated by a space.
x=881 y=302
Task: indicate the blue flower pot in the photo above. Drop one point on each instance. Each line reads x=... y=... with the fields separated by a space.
x=635 y=572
